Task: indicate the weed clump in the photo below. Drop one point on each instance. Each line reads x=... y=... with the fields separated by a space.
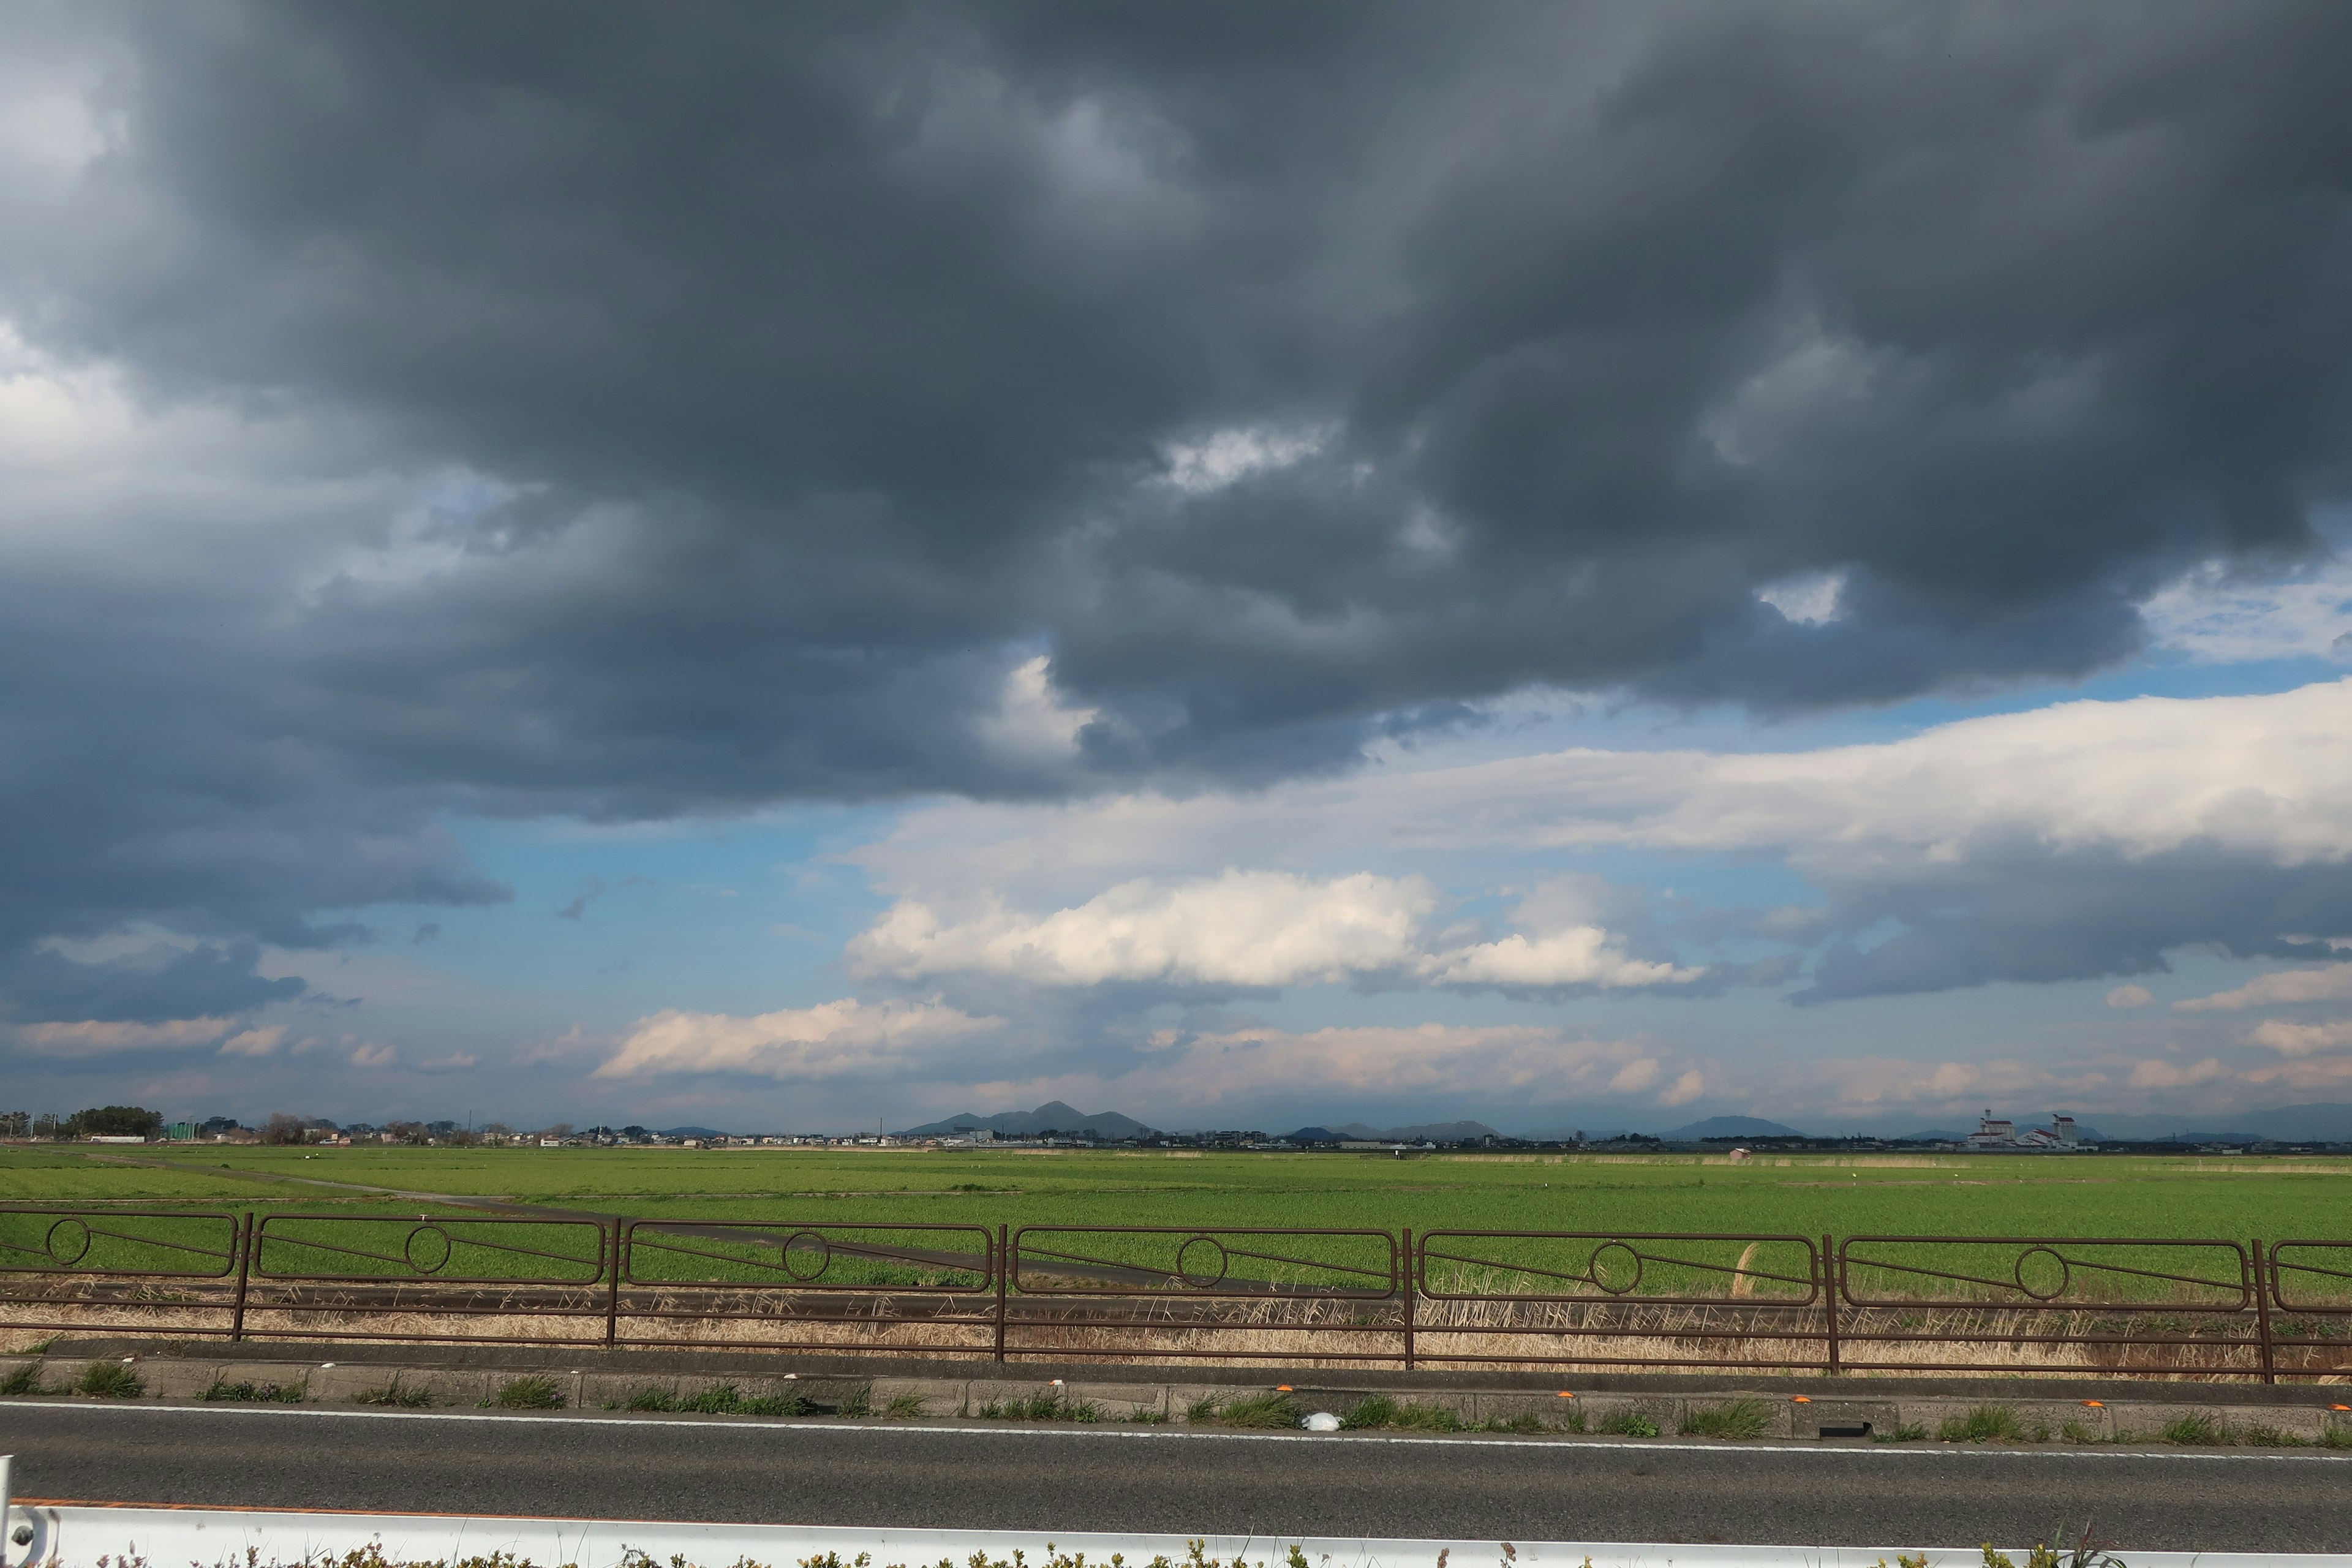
x=1049 y=1405
x=110 y=1380
x=1628 y=1423
x=536 y=1392
x=253 y=1393
x=718 y=1399
x=1380 y=1411
x=1907 y=1432
x=2199 y=1430
x=1739 y=1419
x=404 y=1396
x=903 y=1407
x=1274 y=1409
x=1988 y=1424
x=25 y=1379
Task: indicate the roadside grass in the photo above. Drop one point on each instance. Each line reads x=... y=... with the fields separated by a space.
x=536 y=1392
x=1627 y=1423
x=401 y=1395
x=110 y=1380
x=2196 y=1431
x=903 y=1407
x=1250 y=1410
x=1737 y=1419
x=24 y=1379
x=1907 y=1432
x=1380 y=1412
x=1992 y=1424
x=719 y=1399
x=253 y=1392
x=1051 y=1406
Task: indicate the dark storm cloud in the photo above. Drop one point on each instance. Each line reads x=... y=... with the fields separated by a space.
x=148 y=987
x=807 y=369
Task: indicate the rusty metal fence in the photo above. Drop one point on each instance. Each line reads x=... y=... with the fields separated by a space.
x=1298 y=1296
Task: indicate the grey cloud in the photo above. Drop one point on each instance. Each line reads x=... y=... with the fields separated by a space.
x=818 y=366
x=2039 y=918
x=149 y=987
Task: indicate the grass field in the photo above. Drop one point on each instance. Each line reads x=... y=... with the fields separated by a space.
x=1975 y=1195
x=367 y=1203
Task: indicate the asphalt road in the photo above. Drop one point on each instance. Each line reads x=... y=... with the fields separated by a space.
x=1045 y=1478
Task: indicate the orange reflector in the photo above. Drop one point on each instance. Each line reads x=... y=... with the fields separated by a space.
x=1282 y=1388
x=2093 y=1404
x=1566 y=1395
x=1800 y=1399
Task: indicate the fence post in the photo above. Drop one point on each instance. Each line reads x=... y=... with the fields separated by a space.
x=613 y=1290
x=1003 y=1267
x=1408 y=1324
x=2263 y=1274
x=1829 y=1274
x=244 y=1266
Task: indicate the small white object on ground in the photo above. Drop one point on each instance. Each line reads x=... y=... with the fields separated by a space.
x=1322 y=1421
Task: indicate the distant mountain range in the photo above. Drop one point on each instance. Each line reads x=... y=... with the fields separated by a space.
x=1054 y=1116
x=1730 y=1126
x=1427 y=1132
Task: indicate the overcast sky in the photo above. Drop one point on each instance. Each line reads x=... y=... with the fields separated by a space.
x=779 y=566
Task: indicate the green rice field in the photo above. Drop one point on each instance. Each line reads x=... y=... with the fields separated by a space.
x=2086 y=1195
x=353 y=1214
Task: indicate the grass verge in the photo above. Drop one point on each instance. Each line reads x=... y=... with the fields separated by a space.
x=110 y=1380
x=534 y=1393
x=1250 y=1410
x=1049 y=1406
x=1737 y=1419
x=396 y=1394
x=253 y=1392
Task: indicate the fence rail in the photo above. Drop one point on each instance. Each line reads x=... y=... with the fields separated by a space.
x=1631 y=1300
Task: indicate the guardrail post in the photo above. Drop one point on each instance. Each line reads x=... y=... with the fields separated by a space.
x=613 y=1290
x=1830 y=1276
x=1003 y=1267
x=244 y=1245
x=1410 y=1326
x=2265 y=1271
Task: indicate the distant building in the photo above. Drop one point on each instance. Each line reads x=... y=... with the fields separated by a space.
x=1993 y=1132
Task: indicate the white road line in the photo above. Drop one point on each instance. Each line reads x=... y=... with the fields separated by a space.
x=1182 y=1434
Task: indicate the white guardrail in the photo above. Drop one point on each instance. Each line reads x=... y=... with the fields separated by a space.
x=82 y=1536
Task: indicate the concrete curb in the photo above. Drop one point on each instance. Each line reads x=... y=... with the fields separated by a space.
x=1855 y=1410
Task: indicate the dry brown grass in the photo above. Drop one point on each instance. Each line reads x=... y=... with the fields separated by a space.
x=1304 y=1334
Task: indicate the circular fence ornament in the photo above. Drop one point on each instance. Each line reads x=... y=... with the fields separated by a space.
x=806 y=1255
x=427 y=1249
x=68 y=1241
x=2042 y=1273
x=1615 y=1267
x=1204 y=1268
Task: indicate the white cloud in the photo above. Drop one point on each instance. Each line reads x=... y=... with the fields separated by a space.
x=1685 y=1090
x=2302 y=1039
x=833 y=1040
x=91 y=1037
x=2263 y=779
x=1533 y=1065
x=253 y=1042
x=1227 y=457
x=1242 y=927
x=1808 y=599
x=2159 y=1074
x=2215 y=618
x=1584 y=955
x=2333 y=983
x=1032 y=723
x=2130 y=996
x=455 y=1061
x=375 y=1054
